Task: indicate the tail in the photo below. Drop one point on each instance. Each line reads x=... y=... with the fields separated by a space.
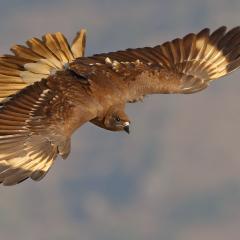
x=37 y=60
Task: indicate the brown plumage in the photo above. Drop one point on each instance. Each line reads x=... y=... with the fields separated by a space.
x=49 y=89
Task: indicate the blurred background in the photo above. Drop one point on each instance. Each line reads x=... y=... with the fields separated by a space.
x=175 y=177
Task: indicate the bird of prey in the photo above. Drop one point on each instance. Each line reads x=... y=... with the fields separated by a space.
x=48 y=89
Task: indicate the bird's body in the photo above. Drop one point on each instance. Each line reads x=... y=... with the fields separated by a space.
x=49 y=89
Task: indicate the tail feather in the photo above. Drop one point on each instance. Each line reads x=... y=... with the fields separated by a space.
x=78 y=44
x=37 y=60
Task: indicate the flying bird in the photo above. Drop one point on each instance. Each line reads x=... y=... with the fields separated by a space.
x=48 y=89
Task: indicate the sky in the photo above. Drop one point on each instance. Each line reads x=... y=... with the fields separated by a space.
x=175 y=177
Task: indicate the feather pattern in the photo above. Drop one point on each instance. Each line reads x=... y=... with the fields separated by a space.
x=190 y=63
x=36 y=125
x=22 y=150
x=78 y=44
x=37 y=60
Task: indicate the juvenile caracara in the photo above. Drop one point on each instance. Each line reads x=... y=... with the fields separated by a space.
x=48 y=90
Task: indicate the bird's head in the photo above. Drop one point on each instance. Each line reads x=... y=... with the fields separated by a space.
x=117 y=120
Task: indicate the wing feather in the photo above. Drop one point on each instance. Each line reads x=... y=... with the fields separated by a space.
x=25 y=148
x=35 y=127
x=189 y=63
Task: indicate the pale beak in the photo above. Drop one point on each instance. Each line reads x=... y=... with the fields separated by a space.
x=126 y=127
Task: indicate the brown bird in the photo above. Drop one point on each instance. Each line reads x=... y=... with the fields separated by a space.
x=48 y=89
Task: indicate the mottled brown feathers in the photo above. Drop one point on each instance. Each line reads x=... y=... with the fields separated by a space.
x=43 y=106
x=195 y=60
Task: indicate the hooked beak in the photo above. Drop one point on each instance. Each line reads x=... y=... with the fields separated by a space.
x=126 y=127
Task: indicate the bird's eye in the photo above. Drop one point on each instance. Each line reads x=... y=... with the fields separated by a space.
x=117 y=119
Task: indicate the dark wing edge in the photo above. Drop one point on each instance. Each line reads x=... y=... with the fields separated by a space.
x=196 y=59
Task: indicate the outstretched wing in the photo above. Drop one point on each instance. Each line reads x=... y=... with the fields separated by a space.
x=185 y=65
x=34 y=129
x=37 y=60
